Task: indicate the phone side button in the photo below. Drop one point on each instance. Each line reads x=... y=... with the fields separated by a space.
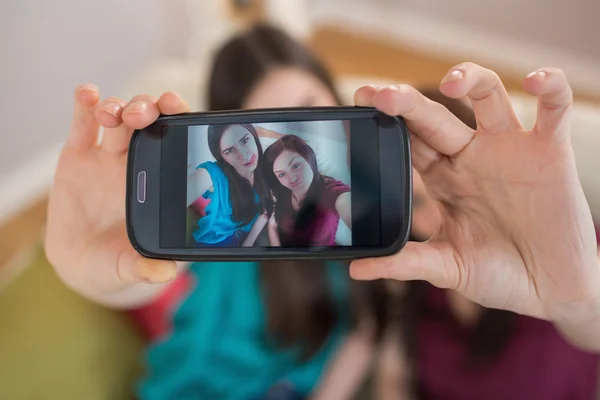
x=141 y=187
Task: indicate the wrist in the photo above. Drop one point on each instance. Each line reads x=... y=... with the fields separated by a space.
x=582 y=327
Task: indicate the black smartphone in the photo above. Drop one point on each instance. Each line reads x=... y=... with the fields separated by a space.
x=291 y=183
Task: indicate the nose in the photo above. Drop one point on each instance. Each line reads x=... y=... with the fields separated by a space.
x=293 y=178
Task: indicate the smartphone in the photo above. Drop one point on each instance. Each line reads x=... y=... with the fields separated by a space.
x=288 y=183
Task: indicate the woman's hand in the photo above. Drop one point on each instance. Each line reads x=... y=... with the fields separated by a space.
x=517 y=232
x=273 y=231
x=257 y=228
x=86 y=237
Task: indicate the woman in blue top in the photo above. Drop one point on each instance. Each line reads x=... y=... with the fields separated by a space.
x=247 y=330
x=232 y=193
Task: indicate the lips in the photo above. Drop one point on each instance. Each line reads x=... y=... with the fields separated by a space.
x=297 y=183
x=251 y=162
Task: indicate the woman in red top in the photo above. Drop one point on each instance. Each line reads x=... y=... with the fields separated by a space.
x=453 y=349
x=308 y=205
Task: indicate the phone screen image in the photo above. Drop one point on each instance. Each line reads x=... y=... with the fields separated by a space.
x=269 y=184
x=293 y=184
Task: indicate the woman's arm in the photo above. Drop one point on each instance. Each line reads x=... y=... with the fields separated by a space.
x=344 y=208
x=392 y=379
x=198 y=183
x=274 y=239
x=350 y=367
x=257 y=228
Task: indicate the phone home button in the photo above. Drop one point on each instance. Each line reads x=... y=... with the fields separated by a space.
x=141 y=187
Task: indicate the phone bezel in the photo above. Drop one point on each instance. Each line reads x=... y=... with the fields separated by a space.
x=143 y=219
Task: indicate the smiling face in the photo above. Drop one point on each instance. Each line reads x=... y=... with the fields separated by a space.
x=238 y=149
x=293 y=172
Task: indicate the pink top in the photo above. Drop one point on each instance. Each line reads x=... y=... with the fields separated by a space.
x=536 y=364
x=322 y=227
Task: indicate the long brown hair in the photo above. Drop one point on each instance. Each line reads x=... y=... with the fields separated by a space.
x=243 y=203
x=283 y=196
x=300 y=307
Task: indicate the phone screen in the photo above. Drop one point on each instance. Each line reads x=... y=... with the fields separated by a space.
x=293 y=184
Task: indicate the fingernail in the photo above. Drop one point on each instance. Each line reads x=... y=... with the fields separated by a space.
x=155 y=272
x=113 y=109
x=137 y=107
x=452 y=76
x=88 y=88
x=399 y=88
x=374 y=87
x=539 y=73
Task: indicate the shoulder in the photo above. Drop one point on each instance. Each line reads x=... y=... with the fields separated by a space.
x=333 y=185
x=332 y=190
x=212 y=169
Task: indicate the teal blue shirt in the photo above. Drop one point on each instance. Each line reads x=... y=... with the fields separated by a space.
x=218 y=225
x=219 y=349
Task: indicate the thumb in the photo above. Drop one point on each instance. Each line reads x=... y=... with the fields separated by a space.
x=112 y=263
x=416 y=261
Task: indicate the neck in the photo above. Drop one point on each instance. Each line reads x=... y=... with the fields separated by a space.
x=298 y=197
x=248 y=175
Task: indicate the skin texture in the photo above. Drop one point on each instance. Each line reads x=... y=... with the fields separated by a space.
x=239 y=150
x=294 y=173
x=507 y=239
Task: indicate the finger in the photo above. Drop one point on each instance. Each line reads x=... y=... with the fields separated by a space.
x=140 y=112
x=422 y=155
x=112 y=248
x=432 y=122
x=108 y=114
x=416 y=261
x=84 y=128
x=555 y=98
x=148 y=270
x=491 y=104
x=171 y=103
x=363 y=97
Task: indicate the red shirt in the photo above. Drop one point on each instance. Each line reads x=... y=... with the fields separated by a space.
x=537 y=362
x=320 y=230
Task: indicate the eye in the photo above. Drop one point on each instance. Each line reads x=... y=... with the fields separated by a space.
x=280 y=175
x=245 y=140
x=296 y=166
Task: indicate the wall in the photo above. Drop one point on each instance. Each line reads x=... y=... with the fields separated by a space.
x=48 y=47
x=571 y=26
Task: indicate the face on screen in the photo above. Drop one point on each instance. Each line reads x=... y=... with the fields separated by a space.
x=293 y=172
x=251 y=185
x=238 y=148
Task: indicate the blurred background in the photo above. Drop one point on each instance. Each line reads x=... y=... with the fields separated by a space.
x=127 y=47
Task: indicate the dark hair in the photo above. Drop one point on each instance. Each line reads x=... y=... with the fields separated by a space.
x=300 y=309
x=241 y=193
x=494 y=328
x=249 y=57
x=283 y=196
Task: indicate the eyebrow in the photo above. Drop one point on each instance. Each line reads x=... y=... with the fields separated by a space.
x=240 y=141
x=290 y=163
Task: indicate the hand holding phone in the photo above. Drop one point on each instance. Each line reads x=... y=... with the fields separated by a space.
x=332 y=182
x=86 y=237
